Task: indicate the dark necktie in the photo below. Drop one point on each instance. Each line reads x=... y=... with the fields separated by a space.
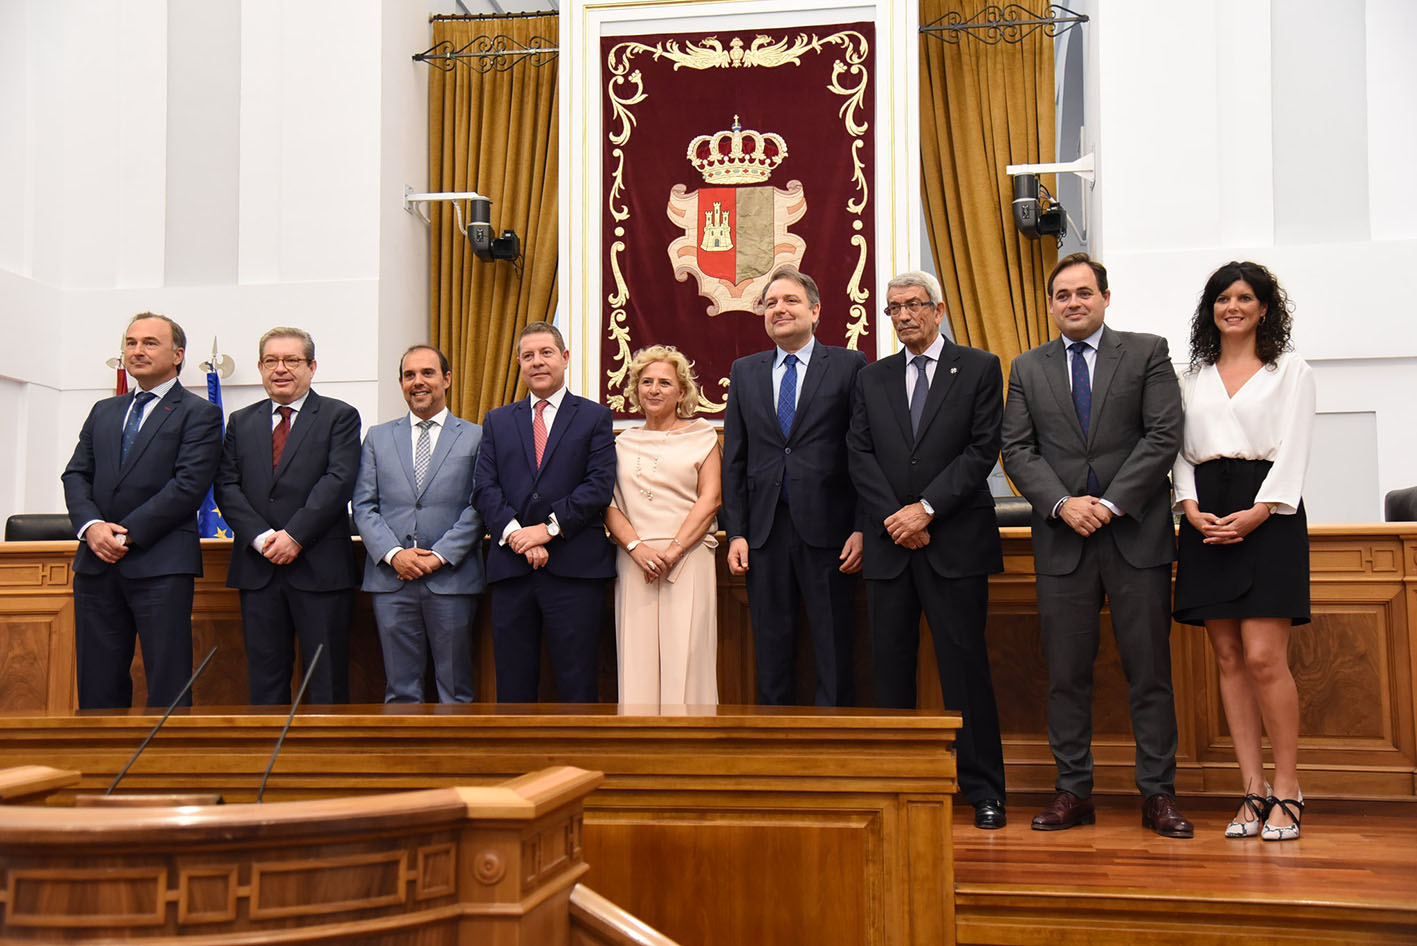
x=920 y=392
x=787 y=395
x=421 y=454
x=134 y=422
x=280 y=434
x=1082 y=403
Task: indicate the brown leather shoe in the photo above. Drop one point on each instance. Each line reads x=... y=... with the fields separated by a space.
x=1161 y=815
x=1066 y=810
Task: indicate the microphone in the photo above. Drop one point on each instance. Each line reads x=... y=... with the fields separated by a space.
x=190 y=680
x=300 y=695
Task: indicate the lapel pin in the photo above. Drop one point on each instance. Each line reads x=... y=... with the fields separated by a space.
x=954 y=371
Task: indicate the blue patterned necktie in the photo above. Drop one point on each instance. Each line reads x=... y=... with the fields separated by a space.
x=787 y=395
x=1082 y=403
x=421 y=454
x=920 y=392
x=134 y=422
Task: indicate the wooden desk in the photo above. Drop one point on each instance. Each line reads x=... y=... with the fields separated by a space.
x=1354 y=665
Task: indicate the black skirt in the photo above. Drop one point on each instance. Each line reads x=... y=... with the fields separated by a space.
x=1265 y=576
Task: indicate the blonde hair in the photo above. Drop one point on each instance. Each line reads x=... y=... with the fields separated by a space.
x=683 y=372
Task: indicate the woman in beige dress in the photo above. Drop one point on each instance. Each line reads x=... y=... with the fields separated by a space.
x=668 y=485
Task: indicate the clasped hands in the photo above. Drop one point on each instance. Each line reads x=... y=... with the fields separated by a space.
x=280 y=548
x=656 y=563
x=412 y=564
x=1084 y=514
x=530 y=541
x=107 y=540
x=1225 y=530
x=907 y=526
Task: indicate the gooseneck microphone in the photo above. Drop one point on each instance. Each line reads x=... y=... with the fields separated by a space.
x=153 y=732
x=300 y=695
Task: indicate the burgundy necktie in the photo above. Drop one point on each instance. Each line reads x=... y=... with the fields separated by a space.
x=538 y=431
x=280 y=434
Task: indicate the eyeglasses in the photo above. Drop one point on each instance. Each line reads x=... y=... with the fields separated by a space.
x=293 y=362
x=913 y=306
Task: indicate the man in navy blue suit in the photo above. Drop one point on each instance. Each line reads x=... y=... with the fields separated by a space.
x=286 y=477
x=545 y=474
x=788 y=503
x=138 y=474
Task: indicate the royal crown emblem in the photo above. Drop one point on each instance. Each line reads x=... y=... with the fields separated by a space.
x=735 y=226
x=735 y=156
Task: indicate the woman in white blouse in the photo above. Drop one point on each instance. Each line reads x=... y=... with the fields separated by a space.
x=1243 y=563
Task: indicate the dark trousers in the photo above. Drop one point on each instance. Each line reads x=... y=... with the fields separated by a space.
x=567 y=611
x=273 y=618
x=110 y=613
x=1068 y=608
x=782 y=574
x=957 y=610
x=414 y=621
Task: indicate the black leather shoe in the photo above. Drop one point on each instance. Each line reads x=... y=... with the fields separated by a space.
x=989 y=814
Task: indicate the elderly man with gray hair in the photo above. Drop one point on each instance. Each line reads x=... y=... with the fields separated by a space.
x=924 y=437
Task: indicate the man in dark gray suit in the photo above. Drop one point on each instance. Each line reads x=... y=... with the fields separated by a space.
x=1091 y=428
x=789 y=508
x=413 y=508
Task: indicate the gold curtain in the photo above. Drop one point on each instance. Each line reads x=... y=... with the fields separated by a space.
x=495 y=133
x=984 y=107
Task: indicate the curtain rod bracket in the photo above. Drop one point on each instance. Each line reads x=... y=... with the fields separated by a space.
x=490 y=53
x=1009 y=23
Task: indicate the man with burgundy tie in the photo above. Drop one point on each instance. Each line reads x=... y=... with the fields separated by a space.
x=287 y=474
x=545 y=474
x=141 y=468
x=924 y=438
x=789 y=509
x=1091 y=428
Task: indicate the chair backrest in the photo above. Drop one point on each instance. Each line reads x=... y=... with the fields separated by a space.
x=1012 y=510
x=1401 y=505
x=38 y=527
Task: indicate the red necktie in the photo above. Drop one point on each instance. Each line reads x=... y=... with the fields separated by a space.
x=538 y=432
x=280 y=434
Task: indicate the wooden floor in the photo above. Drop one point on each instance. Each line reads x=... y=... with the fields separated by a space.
x=1351 y=878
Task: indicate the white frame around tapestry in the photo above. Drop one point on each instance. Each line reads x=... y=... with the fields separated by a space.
x=585 y=22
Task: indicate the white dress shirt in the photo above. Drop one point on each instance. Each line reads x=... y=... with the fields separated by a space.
x=1271 y=417
x=804 y=355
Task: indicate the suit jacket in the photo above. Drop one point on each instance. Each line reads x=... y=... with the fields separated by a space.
x=1133 y=436
x=307 y=495
x=389 y=512
x=155 y=493
x=946 y=463
x=576 y=481
x=756 y=456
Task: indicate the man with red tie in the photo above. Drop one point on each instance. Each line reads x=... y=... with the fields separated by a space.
x=287 y=473
x=545 y=474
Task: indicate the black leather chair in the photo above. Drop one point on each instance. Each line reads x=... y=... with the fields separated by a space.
x=38 y=527
x=1400 y=505
x=1012 y=510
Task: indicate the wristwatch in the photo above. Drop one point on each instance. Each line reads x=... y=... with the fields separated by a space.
x=552 y=529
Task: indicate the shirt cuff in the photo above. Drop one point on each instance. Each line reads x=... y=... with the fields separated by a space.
x=85 y=527
x=512 y=526
x=1112 y=506
x=389 y=558
x=1058 y=507
x=259 y=542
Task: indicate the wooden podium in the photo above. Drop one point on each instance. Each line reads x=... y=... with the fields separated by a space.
x=494 y=865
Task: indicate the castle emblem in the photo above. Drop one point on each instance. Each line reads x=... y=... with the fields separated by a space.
x=735 y=227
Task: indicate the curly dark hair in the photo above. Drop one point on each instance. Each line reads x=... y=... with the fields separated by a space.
x=1272 y=336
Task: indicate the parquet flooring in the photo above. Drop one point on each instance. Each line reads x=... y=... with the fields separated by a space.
x=1351 y=878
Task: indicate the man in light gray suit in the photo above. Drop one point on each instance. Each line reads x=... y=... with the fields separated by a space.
x=1091 y=427
x=413 y=508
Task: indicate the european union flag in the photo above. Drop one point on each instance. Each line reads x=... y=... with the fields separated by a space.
x=210 y=524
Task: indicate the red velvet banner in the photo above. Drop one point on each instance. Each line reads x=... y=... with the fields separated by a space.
x=725 y=157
